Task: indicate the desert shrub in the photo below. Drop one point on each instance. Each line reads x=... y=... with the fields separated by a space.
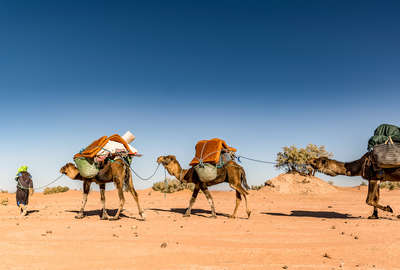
x=257 y=187
x=363 y=183
x=3 y=191
x=296 y=160
x=52 y=190
x=390 y=185
x=172 y=185
x=4 y=202
x=330 y=183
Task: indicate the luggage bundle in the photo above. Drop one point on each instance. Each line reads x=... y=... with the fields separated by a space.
x=211 y=155
x=385 y=146
x=90 y=160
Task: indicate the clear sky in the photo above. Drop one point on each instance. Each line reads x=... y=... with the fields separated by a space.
x=259 y=74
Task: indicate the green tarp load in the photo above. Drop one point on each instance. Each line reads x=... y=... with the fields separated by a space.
x=382 y=134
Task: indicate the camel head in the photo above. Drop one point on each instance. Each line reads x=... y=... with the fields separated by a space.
x=324 y=165
x=70 y=170
x=166 y=160
x=171 y=165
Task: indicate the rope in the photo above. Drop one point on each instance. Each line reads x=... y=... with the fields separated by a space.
x=22 y=187
x=144 y=178
x=256 y=160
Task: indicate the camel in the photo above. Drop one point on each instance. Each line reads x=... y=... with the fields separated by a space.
x=116 y=172
x=365 y=168
x=231 y=173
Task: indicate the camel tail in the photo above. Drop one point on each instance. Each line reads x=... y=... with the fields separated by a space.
x=243 y=179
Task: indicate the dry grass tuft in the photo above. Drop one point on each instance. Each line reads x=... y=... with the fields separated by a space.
x=52 y=190
x=4 y=202
x=172 y=186
x=390 y=185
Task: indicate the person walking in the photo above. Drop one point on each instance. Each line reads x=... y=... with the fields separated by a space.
x=24 y=189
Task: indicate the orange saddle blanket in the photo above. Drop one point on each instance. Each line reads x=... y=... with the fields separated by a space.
x=97 y=145
x=210 y=151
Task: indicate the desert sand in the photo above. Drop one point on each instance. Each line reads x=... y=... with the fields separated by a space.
x=294 y=229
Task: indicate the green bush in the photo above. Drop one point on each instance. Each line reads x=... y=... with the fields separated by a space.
x=364 y=183
x=296 y=160
x=52 y=190
x=172 y=186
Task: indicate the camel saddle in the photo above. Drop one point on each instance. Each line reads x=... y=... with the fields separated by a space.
x=209 y=151
x=97 y=145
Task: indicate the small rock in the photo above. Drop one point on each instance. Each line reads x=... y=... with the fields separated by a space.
x=114 y=235
x=182 y=226
x=285 y=267
x=329 y=206
x=134 y=227
x=333 y=227
x=342 y=233
x=163 y=245
x=43 y=234
x=356 y=237
x=49 y=231
x=17 y=223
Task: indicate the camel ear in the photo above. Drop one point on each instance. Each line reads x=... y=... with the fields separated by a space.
x=172 y=157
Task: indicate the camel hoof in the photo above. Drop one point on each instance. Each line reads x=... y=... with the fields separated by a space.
x=104 y=217
x=232 y=216
x=248 y=214
x=114 y=218
x=389 y=209
x=142 y=216
x=373 y=217
x=79 y=216
x=186 y=215
x=213 y=216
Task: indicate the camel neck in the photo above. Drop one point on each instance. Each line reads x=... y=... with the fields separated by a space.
x=176 y=170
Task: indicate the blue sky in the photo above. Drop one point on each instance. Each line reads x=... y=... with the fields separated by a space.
x=259 y=74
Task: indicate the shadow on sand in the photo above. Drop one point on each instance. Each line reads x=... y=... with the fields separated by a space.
x=110 y=212
x=315 y=214
x=195 y=212
x=29 y=212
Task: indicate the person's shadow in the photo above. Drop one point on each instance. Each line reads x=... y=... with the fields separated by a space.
x=314 y=214
x=29 y=212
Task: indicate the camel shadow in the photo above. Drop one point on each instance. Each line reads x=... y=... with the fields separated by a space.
x=196 y=212
x=314 y=214
x=110 y=212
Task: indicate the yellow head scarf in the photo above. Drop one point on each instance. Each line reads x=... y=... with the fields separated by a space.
x=22 y=169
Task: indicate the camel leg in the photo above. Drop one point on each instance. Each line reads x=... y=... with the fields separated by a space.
x=238 y=200
x=209 y=199
x=243 y=192
x=121 y=202
x=373 y=199
x=86 y=189
x=135 y=197
x=192 y=200
x=104 y=214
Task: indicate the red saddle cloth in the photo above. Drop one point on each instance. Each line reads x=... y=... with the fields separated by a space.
x=210 y=151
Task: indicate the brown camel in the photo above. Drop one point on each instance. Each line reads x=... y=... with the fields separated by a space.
x=116 y=172
x=231 y=173
x=365 y=168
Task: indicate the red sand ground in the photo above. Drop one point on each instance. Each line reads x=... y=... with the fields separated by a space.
x=285 y=231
